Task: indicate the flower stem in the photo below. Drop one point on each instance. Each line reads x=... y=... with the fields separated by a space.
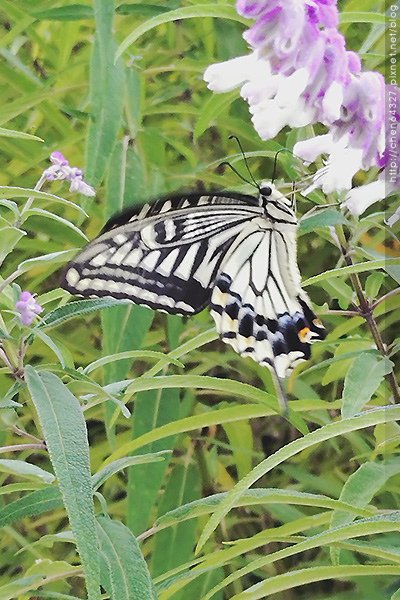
x=10 y=279
x=30 y=200
x=21 y=447
x=385 y=297
x=5 y=359
x=365 y=310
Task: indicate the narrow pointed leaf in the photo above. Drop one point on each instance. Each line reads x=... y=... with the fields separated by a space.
x=64 y=429
x=124 y=573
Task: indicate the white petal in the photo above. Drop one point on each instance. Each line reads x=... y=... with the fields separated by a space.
x=226 y=76
x=332 y=102
x=360 y=198
x=302 y=115
x=268 y=119
x=343 y=164
x=261 y=86
x=290 y=88
x=309 y=149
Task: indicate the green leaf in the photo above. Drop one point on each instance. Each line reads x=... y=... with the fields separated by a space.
x=139 y=354
x=124 y=327
x=323 y=218
x=152 y=411
x=8 y=399
x=48 y=215
x=295 y=578
x=49 y=498
x=340 y=290
x=99 y=478
x=9 y=238
x=214 y=417
x=53 y=257
x=19 y=134
x=64 y=429
x=359 y=489
x=124 y=573
x=72 y=12
x=186 y=12
x=396 y=595
x=254 y=497
x=21 y=468
x=357 y=268
x=77 y=309
x=49 y=342
x=240 y=436
x=373 y=285
x=227 y=386
x=373 y=525
x=145 y=10
x=215 y=104
x=18 y=192
x=11 y=205
x=106 y=94
x=183 y=485
x=362 y=17
x=42 y=573
x=362 y=380
x=31 y=505
x=330 y=431
x=193 y=344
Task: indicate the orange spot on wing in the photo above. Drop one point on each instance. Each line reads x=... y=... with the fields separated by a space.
x=304 y=334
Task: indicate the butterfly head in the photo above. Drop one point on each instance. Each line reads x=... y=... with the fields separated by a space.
x=270 y=197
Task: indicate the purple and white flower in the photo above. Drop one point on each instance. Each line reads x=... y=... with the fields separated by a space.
x=61 y=169
x=360 y=198
x=28 y=308
x=299 y=73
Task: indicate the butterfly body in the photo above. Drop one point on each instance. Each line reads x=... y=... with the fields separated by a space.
x=232 y=252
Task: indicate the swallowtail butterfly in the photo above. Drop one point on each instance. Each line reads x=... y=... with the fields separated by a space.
x=233 y=253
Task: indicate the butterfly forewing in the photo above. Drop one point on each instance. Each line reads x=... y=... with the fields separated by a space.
x=165 y=255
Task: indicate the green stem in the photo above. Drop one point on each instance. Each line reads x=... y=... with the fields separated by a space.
x=365 y=310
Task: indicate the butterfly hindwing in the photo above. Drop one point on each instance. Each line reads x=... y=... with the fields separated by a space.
x=164 y=255
x=258 y=305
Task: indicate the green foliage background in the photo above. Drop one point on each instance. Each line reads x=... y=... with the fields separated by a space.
x=175 y=425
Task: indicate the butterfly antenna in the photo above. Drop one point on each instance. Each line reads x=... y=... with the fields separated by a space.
x=236 y=172
x=294 y=196
x=234 y=137
x=276 y=160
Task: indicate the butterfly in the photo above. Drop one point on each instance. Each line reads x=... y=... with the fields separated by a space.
x=234 y=253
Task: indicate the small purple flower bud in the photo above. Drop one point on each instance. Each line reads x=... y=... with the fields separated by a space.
x=61 y=169
x=251 y=8
x=353 y=62
x=58 y=159
x=27 y=307
x=80 y=186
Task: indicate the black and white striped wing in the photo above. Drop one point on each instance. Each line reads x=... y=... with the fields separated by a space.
x=258 y=305
x=165 y=255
